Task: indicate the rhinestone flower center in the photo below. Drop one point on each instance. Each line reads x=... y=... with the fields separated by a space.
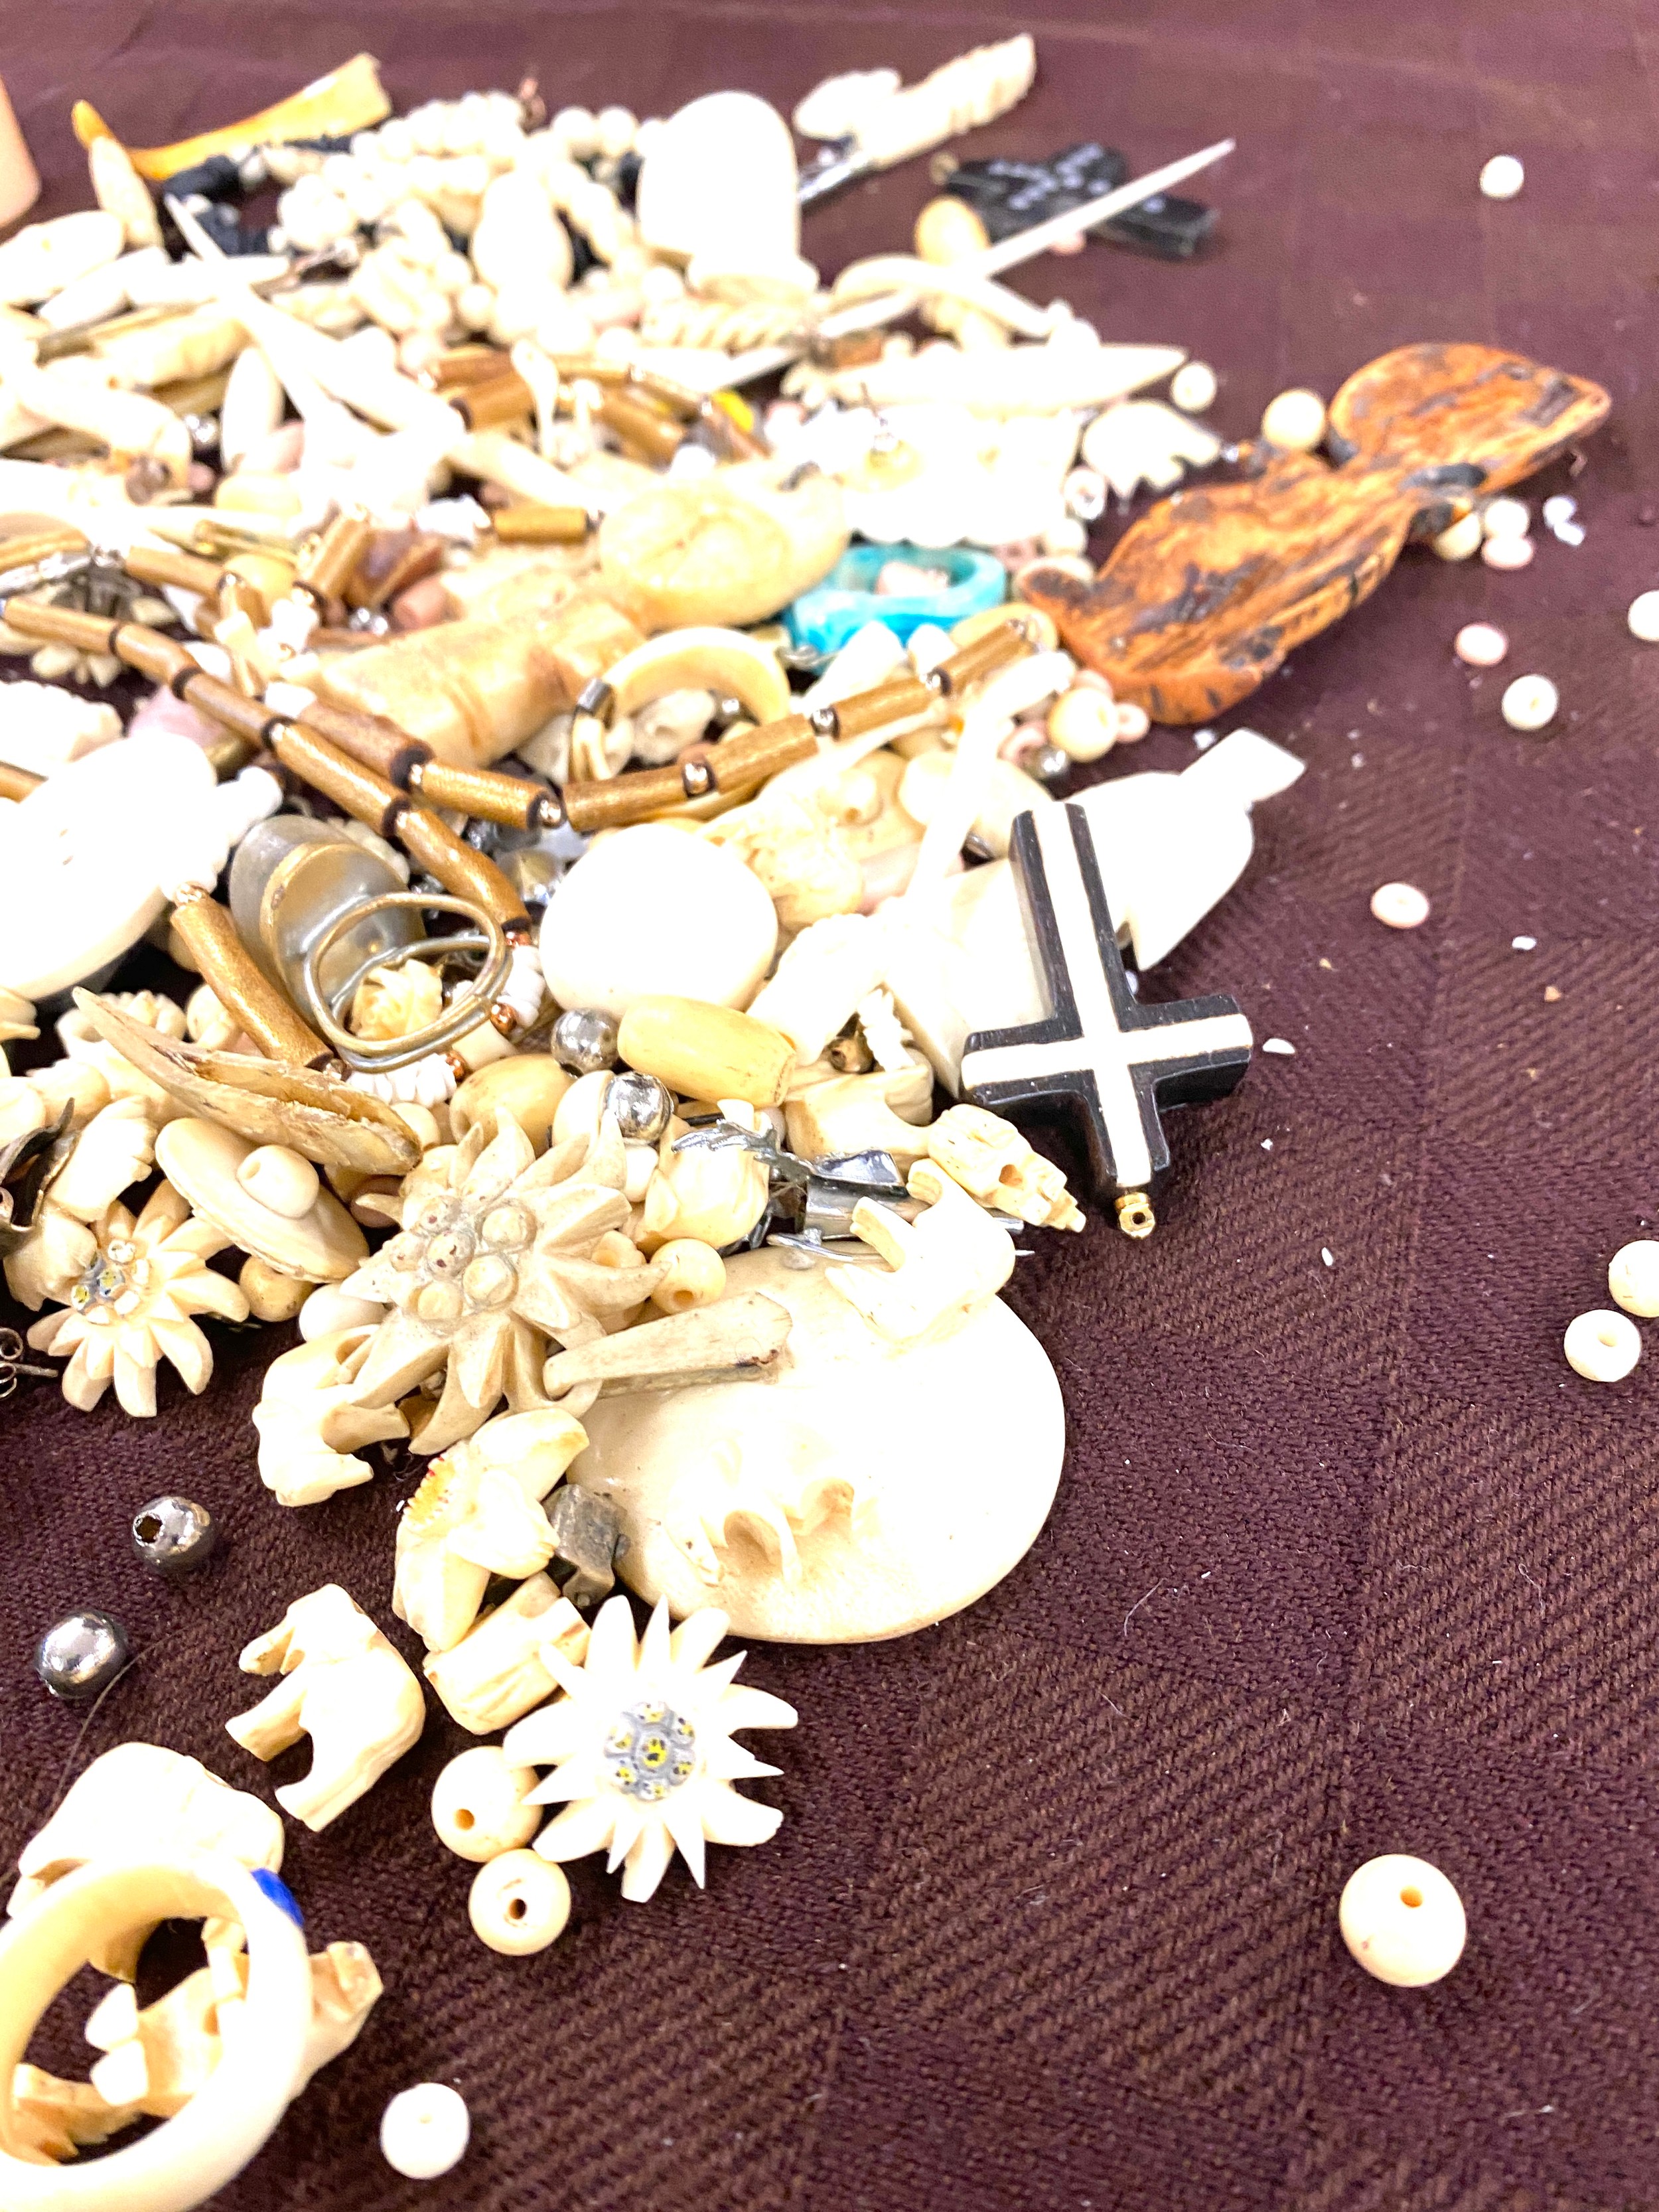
x=650 y=1750
x=110 y=1284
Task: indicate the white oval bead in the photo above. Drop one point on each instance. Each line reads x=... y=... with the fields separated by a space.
x=1403 y=1920
x=282 y=1179
x=424 y=2130
x=1479 y=645
x=1502 y=177
x=1193 y=388
x=1505 y=518
x=1602 y=1347
x=1644 y=618
x=1399 y=906
x=329 y=1307
x=1294 y=422
x=1461 y=540
x=1083 y=724
x=477 y=1804
x=519 y=1904
x=1633 y=1278
x=1508 y=553
x=1530 y=702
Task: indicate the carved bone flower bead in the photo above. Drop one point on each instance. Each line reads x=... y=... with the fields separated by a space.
x=493 y=1255
x=130 y=1305
x=643 y=1744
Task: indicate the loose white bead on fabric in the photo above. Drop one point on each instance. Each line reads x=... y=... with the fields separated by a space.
x=1602 y=1347
x=1633 y=1278
x=1403 y=1921
x=1505 y=518
x=1508 y=553
x=477 y=1804
x=1399 y=906
x=1193 y=388
x=1502 y=177
x=1479 y=645
x=519 y=1904
x=1644 y=618
x=424 y=2131
x=1530 y=702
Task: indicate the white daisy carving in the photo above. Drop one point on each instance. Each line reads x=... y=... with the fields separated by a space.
x=642 y=1751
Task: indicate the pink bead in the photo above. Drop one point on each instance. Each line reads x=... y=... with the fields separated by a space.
x=200 y=479
x=1507 y=552
x=1478 y=644
x=177 y=718
x=1088 y=679
x=1021 y=742
x=421 y=605
x=1133 y=724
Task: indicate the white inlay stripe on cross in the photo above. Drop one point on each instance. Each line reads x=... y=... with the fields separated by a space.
x=1105 y=1050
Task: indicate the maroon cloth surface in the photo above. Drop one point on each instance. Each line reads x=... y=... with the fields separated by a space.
x=1345 y=1560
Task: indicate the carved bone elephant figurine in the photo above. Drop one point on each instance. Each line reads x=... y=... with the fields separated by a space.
x=345 y=1687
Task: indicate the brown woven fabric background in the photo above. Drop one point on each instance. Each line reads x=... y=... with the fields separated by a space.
x=1345 y=1560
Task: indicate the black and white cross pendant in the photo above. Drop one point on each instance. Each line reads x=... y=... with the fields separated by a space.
x=1110 y=1060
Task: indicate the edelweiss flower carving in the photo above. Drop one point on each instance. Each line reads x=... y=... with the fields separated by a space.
x=130 y=1305
x=495 y=1256
x=642 y=1742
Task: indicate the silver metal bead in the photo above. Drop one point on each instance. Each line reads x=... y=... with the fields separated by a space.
x=79 y=1656
x=640 y=1105
x=174 y=1535
x=585 y=1039
x=1049 y=763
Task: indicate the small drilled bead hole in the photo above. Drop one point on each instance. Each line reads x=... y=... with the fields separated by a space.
x=1413 y=1898
x=463 y=1819
x=515 y=1910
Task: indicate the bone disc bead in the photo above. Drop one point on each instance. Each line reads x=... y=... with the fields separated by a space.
x=1530 y=702
x=271 y=1296
x=424 y=2131
x=1399 y=906
x=280 y=1178
x=477 y=1804
x=1403 y=1921
x=1083 y=724
x=1602 y=1347
x=519 y=1904
x=1502 y=177
x=1132 y=723
x=1505 y=518
x=1478 y=645
x=329 y=1307
x=1294 y=422
x=1644 y=618
x=1632 y=1277
x=1193 y=388
x=1507 y=553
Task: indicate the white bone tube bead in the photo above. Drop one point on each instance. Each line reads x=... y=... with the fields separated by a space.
x=519 y=1904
